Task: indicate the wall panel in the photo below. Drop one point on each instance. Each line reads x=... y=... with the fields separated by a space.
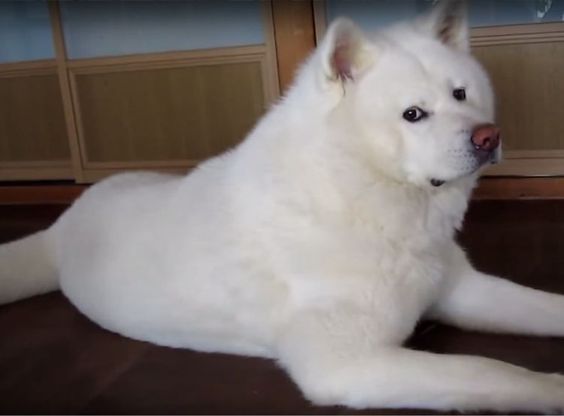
x=528 y=78
x=133 y=85
x=32 y=124
x=130 y=116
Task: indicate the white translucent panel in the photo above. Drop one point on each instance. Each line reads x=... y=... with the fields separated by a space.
x=96 y=28
x=373 y=14
x=496 y=12
x=25 y=31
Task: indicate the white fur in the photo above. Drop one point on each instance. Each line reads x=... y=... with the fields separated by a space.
x=318 y=241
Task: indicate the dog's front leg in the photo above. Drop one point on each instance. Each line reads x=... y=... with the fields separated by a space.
x=337 y=358
x=475 y=300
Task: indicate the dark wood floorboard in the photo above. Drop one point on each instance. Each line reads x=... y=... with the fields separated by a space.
x=54 y=360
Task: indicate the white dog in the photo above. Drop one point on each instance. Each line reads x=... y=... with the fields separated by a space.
x=322 y=239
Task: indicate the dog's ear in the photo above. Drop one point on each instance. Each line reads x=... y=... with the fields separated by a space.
x=448 y=22
x=345 y=53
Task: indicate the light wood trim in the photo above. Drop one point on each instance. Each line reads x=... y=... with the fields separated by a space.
x=40 y=194
x=36 y=164
x=518 y=29
x=539 y=167
x=259 y=55
x=34 y=173
x=29 y=72
x=295 y=37
x=516 y=34
x=269 y=94
x=61 y=59
x=36 y=170
x=78 y=125
x=31 y=67
x=520 y=188
x=167 y=57
x=143 y=164
x=319 y=19
x=270 y=63
x=95 y=175
x=533 y=154
x=166 y=64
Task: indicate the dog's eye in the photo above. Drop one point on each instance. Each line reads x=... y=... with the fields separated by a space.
x=413 y=114
x=459 y=94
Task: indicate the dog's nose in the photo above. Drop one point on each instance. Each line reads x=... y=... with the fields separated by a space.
x=485 y=137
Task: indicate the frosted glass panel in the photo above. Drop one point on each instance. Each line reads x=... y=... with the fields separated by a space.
x=25 y=31
x=105 y=28
x=372 y=14
x=495 y=13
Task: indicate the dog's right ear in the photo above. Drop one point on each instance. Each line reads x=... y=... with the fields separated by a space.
x=345 y=53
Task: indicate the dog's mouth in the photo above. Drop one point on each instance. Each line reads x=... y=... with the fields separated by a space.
x=491 y=158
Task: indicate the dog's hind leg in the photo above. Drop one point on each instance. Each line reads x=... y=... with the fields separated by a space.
x=475 y=300
x=331 y=357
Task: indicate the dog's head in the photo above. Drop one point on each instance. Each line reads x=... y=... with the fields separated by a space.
x=419 y=103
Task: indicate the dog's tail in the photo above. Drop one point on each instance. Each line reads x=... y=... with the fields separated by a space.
x=27 y=268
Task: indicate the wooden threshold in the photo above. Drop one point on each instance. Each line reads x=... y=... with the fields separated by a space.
x=43 y=194
x=519 y=188
x=489 y=188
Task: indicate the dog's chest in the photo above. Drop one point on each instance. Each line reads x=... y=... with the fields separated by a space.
x=394 y=281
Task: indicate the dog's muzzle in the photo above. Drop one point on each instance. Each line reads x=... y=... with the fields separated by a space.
x=485 y=145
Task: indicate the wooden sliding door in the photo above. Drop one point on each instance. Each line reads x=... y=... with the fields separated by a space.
x=133 y=85
x=526 y=64
x=33 y=138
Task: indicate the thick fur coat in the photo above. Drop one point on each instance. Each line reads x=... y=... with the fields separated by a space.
x=322 y=239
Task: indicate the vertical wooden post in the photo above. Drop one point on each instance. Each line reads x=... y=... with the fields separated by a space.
x=270 y=65
x=64 y=81
x=295 y=36
x=319 y=19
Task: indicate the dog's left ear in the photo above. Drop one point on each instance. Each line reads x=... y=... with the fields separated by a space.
x=448 y=22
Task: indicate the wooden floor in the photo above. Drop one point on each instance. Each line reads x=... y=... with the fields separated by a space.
x=53 y=360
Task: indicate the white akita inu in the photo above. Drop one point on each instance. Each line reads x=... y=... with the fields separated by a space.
x=322 y=239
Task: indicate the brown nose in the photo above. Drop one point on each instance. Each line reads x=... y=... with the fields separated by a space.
x=485 y=137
